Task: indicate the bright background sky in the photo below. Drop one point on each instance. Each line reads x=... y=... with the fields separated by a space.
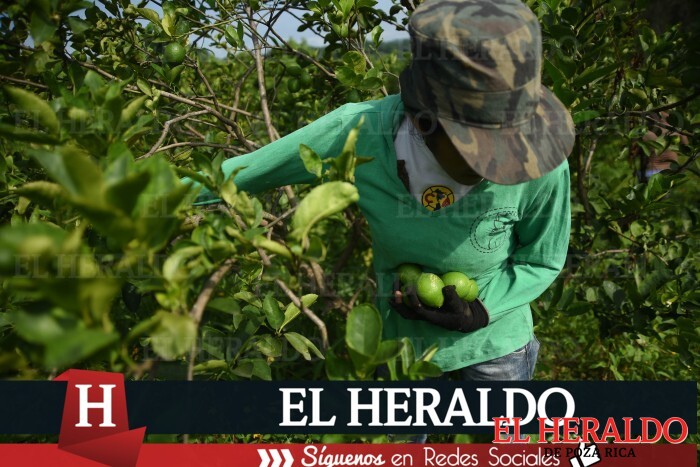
x=288 y=28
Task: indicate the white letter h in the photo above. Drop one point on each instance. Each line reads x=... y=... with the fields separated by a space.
x=105 y=405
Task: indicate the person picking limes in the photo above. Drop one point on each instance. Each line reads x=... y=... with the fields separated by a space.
x=469 y=174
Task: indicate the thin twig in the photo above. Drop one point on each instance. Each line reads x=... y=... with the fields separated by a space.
x=194 y=144
x=261 y=78
x=201 y=303
x=166 y=129
x=25 y=82
x=589 y=158
x=583 y=194
x=298 y=303
x=676 y=104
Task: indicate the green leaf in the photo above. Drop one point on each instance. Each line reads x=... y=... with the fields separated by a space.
x=174 y=269
x=130 y=110
x=273 y=313
x=337 y=369
x=249 y=367
x=210 y=366
x=347 y=75
x=290 y=313
x=42 y=192
x=144 y=87
x=150 y=15
x=143 y=327
x=40 y=328
x=224 y=305
x=269 y=345
x=312 y=161
x=356 y=61
x=260 y=241
x=388 y=350
x=235 y=36
x=125 y=193
x=73 y=169
x=74 y=346
x=408 y=354
x=168 y=24
x=35 y=107
x=370 y=84
x=554 y=72
x=577 y=308
x=42 y=28
x=584 y=116
x=293 y=311
x=323 y=201
x=422 y=369
x=364 y=330
x=302 y=345
x=344 y=165
x=346 y=7
x=614 y=293
x=376 y=35
x=78 y=25
x=174 y=335
x=594 y=74
x=15 y=133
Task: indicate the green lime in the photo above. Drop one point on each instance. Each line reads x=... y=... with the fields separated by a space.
x=461 y=282
x=293 y=85
x=174 y=53
x=305 y=79
x=429 y=289
x=294 y=69
x=409 y=273
x=473 y=292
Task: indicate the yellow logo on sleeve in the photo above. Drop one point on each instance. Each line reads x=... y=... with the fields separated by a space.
x=437 y=197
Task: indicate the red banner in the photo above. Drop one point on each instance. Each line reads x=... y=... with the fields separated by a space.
x=387 y=455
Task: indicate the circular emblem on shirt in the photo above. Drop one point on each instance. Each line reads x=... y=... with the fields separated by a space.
x=491 y=229
x=437 y=197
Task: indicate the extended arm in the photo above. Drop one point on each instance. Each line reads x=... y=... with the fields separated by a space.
x=278 y=163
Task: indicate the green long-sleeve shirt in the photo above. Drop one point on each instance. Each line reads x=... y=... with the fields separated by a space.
x=511 y=239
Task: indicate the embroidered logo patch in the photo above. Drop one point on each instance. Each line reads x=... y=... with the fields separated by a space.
x=491 y=229
x=437 y=197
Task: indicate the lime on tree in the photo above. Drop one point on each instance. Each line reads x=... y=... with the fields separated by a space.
x=305 y=79
x=174 y=53
x=293 y=85
x=429 y=289
x=409 y=273
x=294 y=69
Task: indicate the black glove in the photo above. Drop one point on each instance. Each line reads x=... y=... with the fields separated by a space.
x=455 y=314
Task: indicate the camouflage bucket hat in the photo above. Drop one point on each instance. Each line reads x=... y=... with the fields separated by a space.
x=476 y=67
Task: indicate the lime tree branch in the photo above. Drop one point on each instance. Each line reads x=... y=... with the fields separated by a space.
x=312 y=316
x=257 y=55
x=201 y=303
x=24 y=82
x=166 y=130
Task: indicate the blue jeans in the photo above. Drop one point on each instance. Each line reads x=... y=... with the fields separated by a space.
x=516 y=366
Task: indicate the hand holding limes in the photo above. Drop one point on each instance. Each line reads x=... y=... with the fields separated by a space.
x=449 y=301
x=429 y=286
